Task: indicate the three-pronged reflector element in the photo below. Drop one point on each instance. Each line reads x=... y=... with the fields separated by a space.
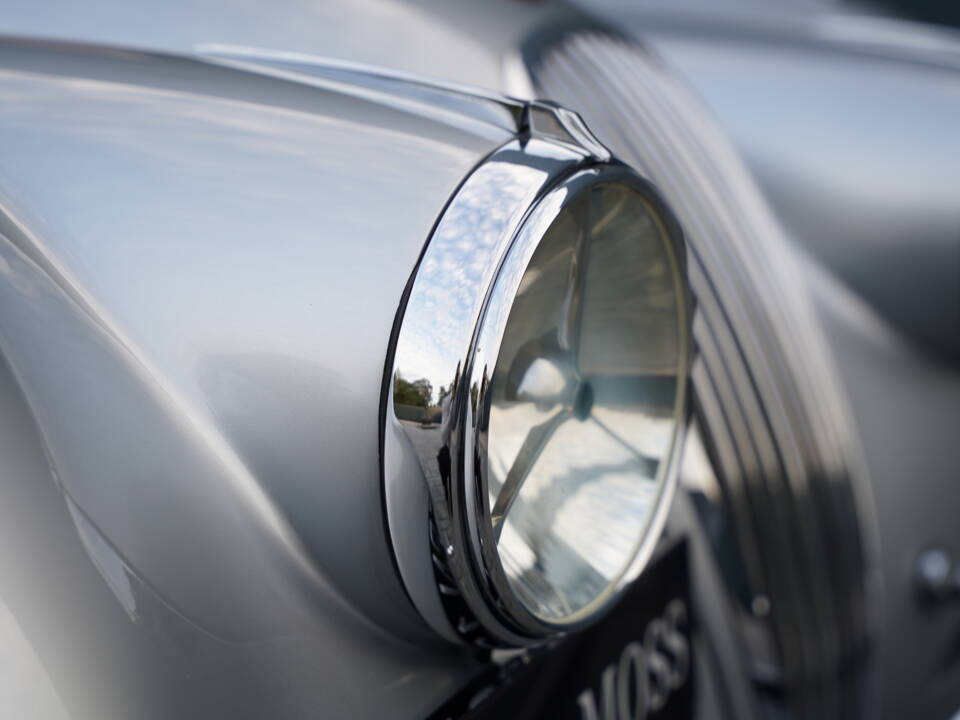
x=585 y=403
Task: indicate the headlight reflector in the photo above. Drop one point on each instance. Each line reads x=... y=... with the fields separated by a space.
x=585 y=403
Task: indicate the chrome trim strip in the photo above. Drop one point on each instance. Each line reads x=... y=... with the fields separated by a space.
x=408 y=90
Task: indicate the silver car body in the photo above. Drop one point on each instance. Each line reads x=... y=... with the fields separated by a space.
x=192 y=378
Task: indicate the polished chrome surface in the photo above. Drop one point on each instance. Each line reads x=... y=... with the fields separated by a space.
x=548 y=120
x=431 y=355
x=437 y=399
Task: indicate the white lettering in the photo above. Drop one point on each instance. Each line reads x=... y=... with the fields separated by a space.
x=632 y=656
x=588 y=703
x=644 y=676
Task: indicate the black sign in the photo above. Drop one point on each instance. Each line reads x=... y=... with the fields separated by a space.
x=636 y=664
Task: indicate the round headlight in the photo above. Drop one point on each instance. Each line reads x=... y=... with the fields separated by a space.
x=584 y=402
x=537 y=392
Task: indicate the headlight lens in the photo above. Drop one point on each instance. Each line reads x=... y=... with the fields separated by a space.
x=585 y=403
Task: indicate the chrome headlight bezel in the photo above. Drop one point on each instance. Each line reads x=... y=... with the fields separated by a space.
x=434 y=479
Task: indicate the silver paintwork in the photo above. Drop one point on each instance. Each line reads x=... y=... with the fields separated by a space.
x=198 y=276
x=464 y=42
x=879 y=208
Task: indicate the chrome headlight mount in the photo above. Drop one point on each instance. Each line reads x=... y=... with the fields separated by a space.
x=469 y=363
